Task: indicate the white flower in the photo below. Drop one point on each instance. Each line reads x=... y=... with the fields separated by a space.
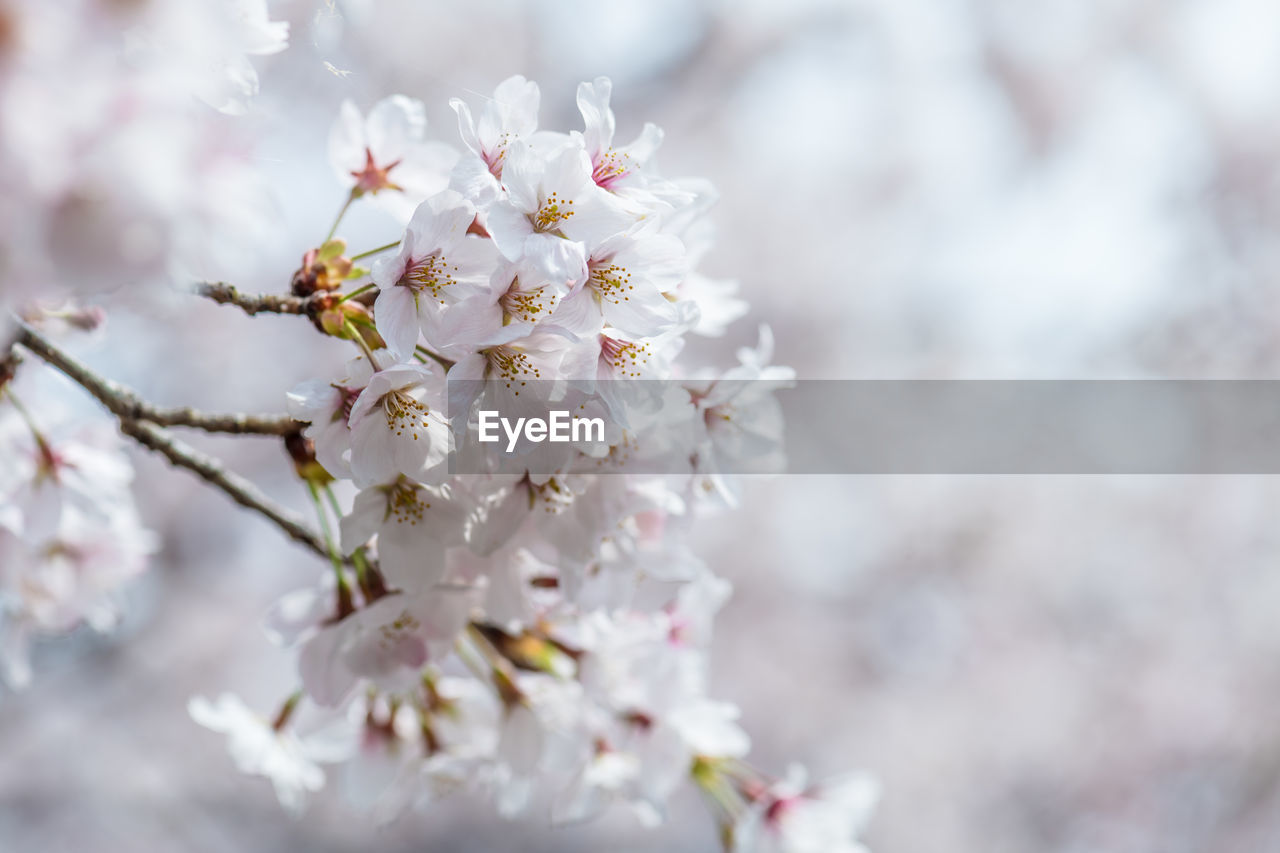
x=398 y=426
x=386 y=643
x=629 y=277
x=384 y=154
x=511 y=114
x=551 y=208
x=612 y=168
x=326 y=407
x=438 y=265
x=790 y=818
x=259 y=749
x=415 y=524
x=742 y=419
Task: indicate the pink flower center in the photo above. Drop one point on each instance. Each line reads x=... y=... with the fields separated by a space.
x=373 y=177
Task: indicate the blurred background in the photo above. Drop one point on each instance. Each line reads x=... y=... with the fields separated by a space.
x=910 y=189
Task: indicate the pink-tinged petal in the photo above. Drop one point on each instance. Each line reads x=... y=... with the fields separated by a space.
x=420 y=453
x=510 y=227
x=313 y=401
x=471 y=177
x=521 y=740
x=496 y=518
x=389 y=269
x=518 y=100
x=645 y=145
x=642 y=318
x=556 y=260
x=579 y=314
x=409 y=560
x=367 y=515
x=600 y=215
x=394 y=125
x=597 y=117
x=440 y=223
x=324 y=676
x=568 y=172
x=424 y=170
x=347 y=142
x=466 y=126
x=386 y=643
x=372 y=451
x=460 y=327
x=396 y=315
x=522 y=174
x=295 y=613
x=661 y=258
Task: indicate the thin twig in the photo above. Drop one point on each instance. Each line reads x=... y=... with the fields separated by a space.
x=255 y=303
x=215 y=473
x=138 y=421
x=125 y=404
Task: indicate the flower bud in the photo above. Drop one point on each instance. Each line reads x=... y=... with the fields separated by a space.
x=302 y=451
x=323 y=268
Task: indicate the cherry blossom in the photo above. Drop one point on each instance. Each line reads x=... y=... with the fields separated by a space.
x=511 y=114
x=385 y=154
x=437 y=266
x=259 y=748
x=792 y=818
x=612 y=168
x=551 y=208
x=398 y=426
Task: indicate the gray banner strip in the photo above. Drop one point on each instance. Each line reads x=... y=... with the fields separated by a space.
x=1033 y=427
x=901 y=427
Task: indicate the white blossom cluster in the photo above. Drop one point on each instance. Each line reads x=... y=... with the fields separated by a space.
x=537 y=637
x=70 y=535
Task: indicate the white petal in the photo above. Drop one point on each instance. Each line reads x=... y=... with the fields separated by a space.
x=347 y=142
x=396 y=315
x=394 y=125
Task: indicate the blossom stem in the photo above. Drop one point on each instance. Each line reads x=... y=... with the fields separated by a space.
x=25 y=414
x=436 y=357
x=327 y=531
x=341 y=213
x=333 y=500
x=375 y=251
x=362 y=567
x=358 y=338
x=286 y=710
x=359 y=290
x=467 y=653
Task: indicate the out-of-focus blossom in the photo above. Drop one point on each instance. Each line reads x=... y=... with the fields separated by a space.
x=70 y=537
x=792 y=818
x=111 y=173
x=385 y=154
x=260 y=748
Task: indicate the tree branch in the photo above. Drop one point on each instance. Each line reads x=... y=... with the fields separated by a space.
x=125 y=404
x=215 y=473
x=141 y=421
